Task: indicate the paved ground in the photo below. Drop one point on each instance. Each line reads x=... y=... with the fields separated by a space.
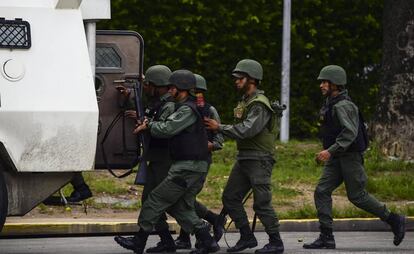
x=347 y=242
x=33 y=227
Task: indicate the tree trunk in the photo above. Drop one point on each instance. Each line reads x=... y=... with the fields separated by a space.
x=393 y=126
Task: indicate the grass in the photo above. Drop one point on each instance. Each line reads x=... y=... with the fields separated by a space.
x=391 y=186
x=295 y=163
x=307 y=211
x=294 y=178
x=102 y=184
x=285 y=192
x=376 y=163
x=108 y=186
x=296 y=174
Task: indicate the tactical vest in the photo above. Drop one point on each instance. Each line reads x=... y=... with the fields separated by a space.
x=330 y=129
x=191 y=143
x=158 y=148
x=265 y=140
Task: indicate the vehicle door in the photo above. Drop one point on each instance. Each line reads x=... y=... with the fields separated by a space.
x=119 y=63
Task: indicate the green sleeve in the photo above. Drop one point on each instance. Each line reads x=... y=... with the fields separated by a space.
x=174 y=124
x=167 y=110
x=256 y=120
x=347 y=116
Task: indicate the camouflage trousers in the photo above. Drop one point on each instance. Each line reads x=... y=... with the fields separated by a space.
x=347 y=168
x=156 y=173
x=251 y=175
x=175 y=195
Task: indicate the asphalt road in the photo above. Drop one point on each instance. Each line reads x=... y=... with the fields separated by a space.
x=347 y=242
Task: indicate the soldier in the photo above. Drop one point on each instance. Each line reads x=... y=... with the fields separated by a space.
x=161 y=105
x=177 y=192
x=255 y=134
x=159 y=162
x=342 y=134
x=215 y=142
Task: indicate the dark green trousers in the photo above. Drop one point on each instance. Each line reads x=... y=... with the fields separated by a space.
x=347 y=168
x=249 y=175
x=175 y=195
x=156 y=173
x=201 y=209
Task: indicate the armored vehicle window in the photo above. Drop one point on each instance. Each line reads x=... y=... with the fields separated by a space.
x=107 y=57
x=14 y=34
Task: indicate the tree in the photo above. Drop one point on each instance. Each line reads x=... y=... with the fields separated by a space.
x=393 y=127
x=210 y=37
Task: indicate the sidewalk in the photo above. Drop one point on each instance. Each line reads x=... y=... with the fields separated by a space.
x=29 y=227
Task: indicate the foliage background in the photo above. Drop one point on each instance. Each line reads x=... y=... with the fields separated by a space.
x=209 y=37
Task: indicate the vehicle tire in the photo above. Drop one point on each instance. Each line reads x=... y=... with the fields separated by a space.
x=3 y=201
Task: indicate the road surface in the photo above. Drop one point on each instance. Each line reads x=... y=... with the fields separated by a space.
x=346 y=242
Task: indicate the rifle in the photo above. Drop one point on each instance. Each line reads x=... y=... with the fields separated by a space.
x=143 y=138
x=278 y=108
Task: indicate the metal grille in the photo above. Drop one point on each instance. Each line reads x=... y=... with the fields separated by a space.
x=107 y=57
x=14 y=34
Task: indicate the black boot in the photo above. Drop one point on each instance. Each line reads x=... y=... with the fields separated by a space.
x=218 y=221
x=397 y=223
x=207 y=244
x=325 y=240
x=136 y=243
x=198 y=244
x=275 y=245
x=165 y=245
x=183 y=241
x=247 y=240
x=80 y=193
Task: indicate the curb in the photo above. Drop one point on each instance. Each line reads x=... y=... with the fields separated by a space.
x=78 y=227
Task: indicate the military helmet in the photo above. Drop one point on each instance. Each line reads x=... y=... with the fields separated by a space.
x=201 y=83
x=158 y=75
x=250 y=67
x=334 y=73
x=183 y=79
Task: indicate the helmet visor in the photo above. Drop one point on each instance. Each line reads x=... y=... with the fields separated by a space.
x=238 y=75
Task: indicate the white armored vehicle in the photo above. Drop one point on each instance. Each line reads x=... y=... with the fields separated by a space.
x=59 y=110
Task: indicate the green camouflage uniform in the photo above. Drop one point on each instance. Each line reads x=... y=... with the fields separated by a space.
x=255 y=136
x=159 y=162
x=175 y=197
x=346 y=167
